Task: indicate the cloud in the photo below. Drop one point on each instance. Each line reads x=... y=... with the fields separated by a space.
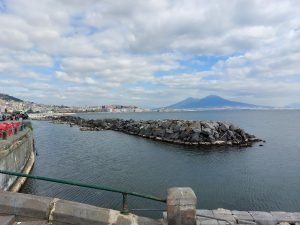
x=150 y=53
x=66 y=77
x=34 y=59
x=33 y=76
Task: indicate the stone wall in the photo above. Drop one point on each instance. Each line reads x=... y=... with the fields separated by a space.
x=61 y=212
x=17 y=155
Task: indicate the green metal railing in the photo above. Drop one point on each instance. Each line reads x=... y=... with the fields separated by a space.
x=125 y=194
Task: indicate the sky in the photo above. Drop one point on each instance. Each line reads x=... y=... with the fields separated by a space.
x=150 y=53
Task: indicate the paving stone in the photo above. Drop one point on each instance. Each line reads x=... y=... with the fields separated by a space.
x=242 y=215
x=31 y=223
x=224 y=214
x=74 y=213
x=204 y=212
x=7 y=220
x=296 y=216
x=223 y=211
x=147 y=221
x=263 y=218
x=209 y=222
x=282 y=216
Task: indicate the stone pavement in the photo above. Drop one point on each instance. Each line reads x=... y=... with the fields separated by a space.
x=205 y=217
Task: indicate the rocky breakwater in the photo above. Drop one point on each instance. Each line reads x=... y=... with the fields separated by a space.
x=185 y=132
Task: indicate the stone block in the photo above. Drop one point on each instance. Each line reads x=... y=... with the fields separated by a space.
x=147 y=221
x=78 y=213
x=263 y=218
x=224 y=214
x=282 y=217
x=296 y=216
x=123 y=221
x=24 y=205
x=204 y=214
x=41 y=222
x=242 y=215
x=7 y=220
x=181 y=206
x=209 y=222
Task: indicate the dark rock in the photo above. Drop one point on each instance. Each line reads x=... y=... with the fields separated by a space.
x=222 y=127
x=176 y=131
x=233 y=127
x=206 y=131
x=195 y=137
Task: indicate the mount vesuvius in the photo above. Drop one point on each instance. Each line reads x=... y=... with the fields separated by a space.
x=211 y=101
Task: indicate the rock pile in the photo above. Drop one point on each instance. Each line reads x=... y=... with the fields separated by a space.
x=184 y=132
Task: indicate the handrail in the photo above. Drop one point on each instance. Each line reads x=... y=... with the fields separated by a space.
x=124 y=193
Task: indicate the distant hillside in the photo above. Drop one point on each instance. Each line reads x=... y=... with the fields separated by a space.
x=9 y=98
x=211 y=101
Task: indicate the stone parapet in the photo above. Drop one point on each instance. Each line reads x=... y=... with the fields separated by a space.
x=180 y=211
x=55 y=211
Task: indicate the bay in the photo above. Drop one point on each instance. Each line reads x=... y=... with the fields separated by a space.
x=254 y=178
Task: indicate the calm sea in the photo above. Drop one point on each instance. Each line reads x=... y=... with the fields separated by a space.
x=254 y=178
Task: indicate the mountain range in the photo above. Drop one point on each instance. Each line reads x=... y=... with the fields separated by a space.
x=211 y=101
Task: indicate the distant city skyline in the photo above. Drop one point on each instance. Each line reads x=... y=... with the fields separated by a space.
x=150 y=53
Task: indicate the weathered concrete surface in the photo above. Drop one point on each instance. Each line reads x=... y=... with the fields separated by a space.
x=184 y=132
x=16 y=154
x=24 y=205
x=55 y=211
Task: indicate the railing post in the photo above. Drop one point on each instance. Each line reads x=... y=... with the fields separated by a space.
x=5 y=135
x=125 y=210
x=181 y=206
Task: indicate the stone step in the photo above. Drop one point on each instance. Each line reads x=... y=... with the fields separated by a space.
x=39 y=222
x=7 y=220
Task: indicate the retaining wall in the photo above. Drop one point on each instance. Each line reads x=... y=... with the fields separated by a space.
x=17 y=155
